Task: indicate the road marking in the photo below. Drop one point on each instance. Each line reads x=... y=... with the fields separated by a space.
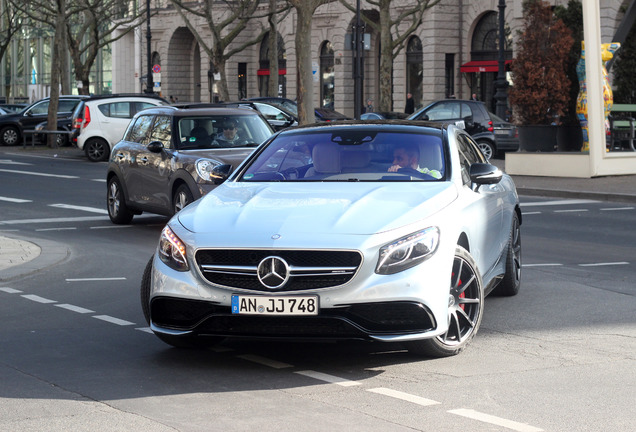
x=530 y=213
x=113 y=320
x=38 y=299
x=328 y=378
x=604 y=264
x=145 y=330
x=99 y=180
x=509 y=424
x=571 y=211
x=10 y=290
x=75 y=308
x=542 y=265
x=111 y=226
x=15 y=200
x=82 y=208
x=54 y=220
x=617 y=209
x=12 y=162
x=404 y=396
x=57 y=229
x=265 y=361
x=95 y=279
x=555 y=203
x=38 y=174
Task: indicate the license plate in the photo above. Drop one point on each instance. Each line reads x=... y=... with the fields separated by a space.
x=266 y=305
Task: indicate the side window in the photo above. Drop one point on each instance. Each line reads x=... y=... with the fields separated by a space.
x=142 y=105
x=271 y=113
x=162 y=131
x=468 y=155
x=120 y=110
x=67 y=105
x=467 y=113
x=39 y=109
x=138 y=132
x=444 y=111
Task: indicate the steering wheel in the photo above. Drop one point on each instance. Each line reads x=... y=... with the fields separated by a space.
x=415 y=173
x=291 y=173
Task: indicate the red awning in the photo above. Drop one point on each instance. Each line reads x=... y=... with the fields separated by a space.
x=482 y=66
x=261 y=72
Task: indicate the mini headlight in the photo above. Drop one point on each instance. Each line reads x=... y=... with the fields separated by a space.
x=204 y=168
x=408 y=251
x=172 y=250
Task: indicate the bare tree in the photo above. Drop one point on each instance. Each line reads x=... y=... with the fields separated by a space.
x=11 y=21
x=395 y=25
x=305 y=11
x=225 y=29
x=272 y=88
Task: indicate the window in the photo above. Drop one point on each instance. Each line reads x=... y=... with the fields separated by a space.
x=162 y=131
x=116 y=109
x=469 y=154
x=414 y=69
x=41 y=108
x=139 y=131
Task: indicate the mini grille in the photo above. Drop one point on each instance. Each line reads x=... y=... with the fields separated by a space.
x=308 y=269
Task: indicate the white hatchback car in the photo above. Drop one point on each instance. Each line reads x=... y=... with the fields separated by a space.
x=102 y=121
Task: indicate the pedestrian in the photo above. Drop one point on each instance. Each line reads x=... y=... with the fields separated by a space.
x=474 y=96
x=171 y=99
x=369 y=107
x=410 y=104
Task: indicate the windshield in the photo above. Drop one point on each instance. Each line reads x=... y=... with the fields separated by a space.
x=222 y=131
x=350 y=155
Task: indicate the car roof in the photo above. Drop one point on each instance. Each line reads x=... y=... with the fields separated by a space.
x=184 y=111
x=389 y=125
x=126 y=95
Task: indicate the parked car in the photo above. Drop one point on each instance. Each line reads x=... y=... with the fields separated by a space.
x=277 y=117
x=384 y=115
x=14 y=107
x=167 y=155
x=321 y=114
x=13 y=126
x=506 y=134
x=384 y=231
x=100 y=121
x=467 y=114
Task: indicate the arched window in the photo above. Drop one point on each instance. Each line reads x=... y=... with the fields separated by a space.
x=327 y=75
x=263 y=63
x=414 y=69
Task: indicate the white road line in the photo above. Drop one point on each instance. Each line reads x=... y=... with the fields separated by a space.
x=111 y=227
x=12 y=162
x=82 y=208
x=604 y=264
x=99 y=180
x=530 y=213
x=95 y=279
x=53 y=220
x=559 y=202
x=57 y=229
x=113 y=320
x=617 y=209
x=10 y=290
x=542 y=265
x=15 y=200
x=328 y=378
x=145 y=329
x=38 y=174
x=570 y=211
x=509 y=424
x=74 y=308
x=38 y=299
x=404 y=396
x=265 y=361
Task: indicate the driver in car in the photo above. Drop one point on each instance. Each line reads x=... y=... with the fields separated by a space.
x=408 y=156
x=230 y=136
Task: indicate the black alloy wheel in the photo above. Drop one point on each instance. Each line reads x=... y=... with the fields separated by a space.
x=118 y=211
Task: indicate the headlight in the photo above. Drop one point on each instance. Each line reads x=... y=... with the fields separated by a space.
x=408 y=251
x=172 y=250
x=204 y=169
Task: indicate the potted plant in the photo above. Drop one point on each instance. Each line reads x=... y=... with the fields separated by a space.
x=540 y=93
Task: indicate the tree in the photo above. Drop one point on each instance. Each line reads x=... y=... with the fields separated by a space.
x=11 y=22
x=541 y=86
x=624 y=67
x=393 y=37
x=572 y=17
x=234 y=19
x=305 y=96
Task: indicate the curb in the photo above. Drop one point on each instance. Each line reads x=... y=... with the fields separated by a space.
x=51 y=254
x=596 y=196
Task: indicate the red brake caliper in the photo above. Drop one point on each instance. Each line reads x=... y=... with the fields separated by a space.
x=462 y=295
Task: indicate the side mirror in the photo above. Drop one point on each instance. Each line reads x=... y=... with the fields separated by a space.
x=155 y=147
x=424 y=117
x=220 y=173
x=485 y=173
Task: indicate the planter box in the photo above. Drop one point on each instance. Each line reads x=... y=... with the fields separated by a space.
x=569 y=138
x=537 y=138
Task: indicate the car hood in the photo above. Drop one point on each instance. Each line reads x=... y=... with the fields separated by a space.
x=315 y=208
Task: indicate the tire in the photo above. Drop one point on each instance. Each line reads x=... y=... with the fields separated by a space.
x=96 y=149
x=487 y=148
x=118 y=211
x=509 y=285
x=465 y=310
x=144 y=291
x=182 y=197
x=10 y=136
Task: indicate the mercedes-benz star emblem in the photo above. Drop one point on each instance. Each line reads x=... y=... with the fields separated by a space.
x=273 y=272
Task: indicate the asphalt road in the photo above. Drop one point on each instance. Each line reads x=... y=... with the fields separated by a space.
x=77 y=355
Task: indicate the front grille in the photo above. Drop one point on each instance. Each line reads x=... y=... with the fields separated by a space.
x=308 y=269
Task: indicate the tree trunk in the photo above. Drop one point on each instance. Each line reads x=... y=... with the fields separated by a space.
x=55 y=73
x=386 y=59
x=272 y=88
x=305 y=92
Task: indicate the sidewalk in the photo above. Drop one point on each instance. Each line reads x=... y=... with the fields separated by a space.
x=19 y=257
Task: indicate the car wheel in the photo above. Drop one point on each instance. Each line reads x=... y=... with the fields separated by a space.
x=97 y=150
x=511 y=281
x=10 y=136
x=487 y=148
x=465 y=310
x=182 y=197
x=118 y=211
x=145 y=291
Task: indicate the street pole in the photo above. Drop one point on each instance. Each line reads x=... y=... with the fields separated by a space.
x=149 y=80
x=501 y=84
x=358 y=38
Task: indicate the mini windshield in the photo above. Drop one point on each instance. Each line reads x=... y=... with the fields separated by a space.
x=350 y=155
x=204 y=132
